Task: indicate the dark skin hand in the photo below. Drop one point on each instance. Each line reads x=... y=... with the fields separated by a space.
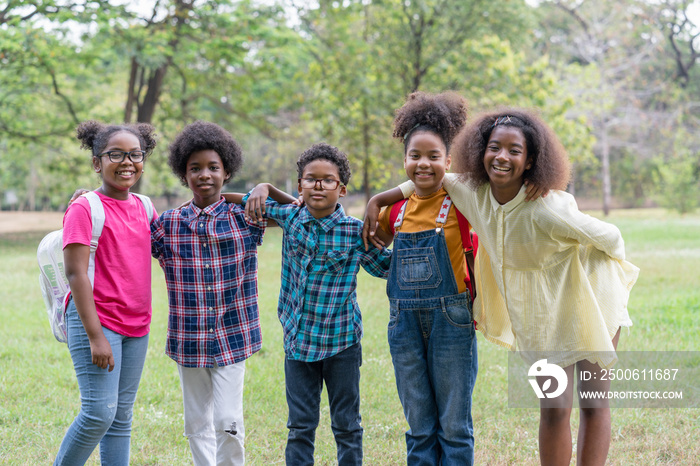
x=255 y=206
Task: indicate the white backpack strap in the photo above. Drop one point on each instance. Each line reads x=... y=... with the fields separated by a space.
x=399 y=218
x=97 y=214
x=147 y=204
x=442 y=215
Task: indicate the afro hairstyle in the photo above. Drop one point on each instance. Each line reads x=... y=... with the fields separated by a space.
x=550 y=167
x=443 y=114
x=203 y=135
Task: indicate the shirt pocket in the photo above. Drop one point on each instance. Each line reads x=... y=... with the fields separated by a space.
x=293 y=248
x=335 y=261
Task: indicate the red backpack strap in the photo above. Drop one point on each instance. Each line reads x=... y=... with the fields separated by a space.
x=469 y=248
x=395 y=209
x=464 y=231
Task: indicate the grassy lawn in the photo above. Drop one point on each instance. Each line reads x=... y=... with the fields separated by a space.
x=40 y=395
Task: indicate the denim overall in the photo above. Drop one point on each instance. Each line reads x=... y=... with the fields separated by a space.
x=433 y=347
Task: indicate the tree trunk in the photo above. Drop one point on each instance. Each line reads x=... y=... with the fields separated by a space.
x=605 y=161
x=131 y=91
x=147 y=107
x=365 y=156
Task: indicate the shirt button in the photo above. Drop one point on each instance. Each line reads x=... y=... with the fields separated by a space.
x=204 y=245
x=211 y=308
x=201 y=224
x=211 y=330
x=206 y=266
x=209 y=288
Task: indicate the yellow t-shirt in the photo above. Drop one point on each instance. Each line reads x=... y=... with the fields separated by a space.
x=420 y=215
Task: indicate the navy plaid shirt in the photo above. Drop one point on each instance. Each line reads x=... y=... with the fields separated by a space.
x=320 y=261
x=209 y=257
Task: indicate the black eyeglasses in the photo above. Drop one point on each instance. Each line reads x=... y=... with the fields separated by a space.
x=117 y=156
x=328 y=184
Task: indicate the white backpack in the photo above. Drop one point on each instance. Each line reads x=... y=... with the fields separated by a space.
x=52 y=277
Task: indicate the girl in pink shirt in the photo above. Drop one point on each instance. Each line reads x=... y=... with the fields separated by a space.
x=108 y=326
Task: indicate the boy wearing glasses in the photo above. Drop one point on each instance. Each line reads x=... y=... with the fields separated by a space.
x=322 y=252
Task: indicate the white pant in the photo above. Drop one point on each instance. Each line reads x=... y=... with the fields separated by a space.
x=213 y=408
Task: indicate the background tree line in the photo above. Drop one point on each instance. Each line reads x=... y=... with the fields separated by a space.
x=617 y=79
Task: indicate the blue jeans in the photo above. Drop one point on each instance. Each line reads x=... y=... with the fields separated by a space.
x=107 y=398
x=304 y=381
x=435 y=363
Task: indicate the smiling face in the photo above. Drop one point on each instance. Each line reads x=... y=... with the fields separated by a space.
x=205 y=176
x=426 y=161
x=321 y=202
x=119 y=177
x=505 y=161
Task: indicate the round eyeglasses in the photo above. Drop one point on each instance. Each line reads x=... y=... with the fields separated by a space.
x=329 y=184
x=117 y=156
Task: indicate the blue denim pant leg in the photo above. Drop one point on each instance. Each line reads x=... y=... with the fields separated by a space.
x=435 y=363
x=107 y=398
x=454 y=366
x=304 y=383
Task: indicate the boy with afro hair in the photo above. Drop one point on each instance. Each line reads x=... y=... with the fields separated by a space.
x=208 y=252
x=322 y=252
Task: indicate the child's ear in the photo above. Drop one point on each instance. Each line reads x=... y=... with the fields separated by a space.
x=343 y=191
x=227 y=177
x=97 y=164
x=448 y=162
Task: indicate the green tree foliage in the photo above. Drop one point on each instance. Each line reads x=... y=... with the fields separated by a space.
x=616 y=80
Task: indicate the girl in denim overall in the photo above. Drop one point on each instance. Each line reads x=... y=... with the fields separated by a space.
x=431 y=332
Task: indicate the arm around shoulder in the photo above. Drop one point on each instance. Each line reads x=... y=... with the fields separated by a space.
x=374 y=205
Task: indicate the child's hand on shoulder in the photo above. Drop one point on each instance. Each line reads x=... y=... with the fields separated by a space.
x=78 y=192
x=532 y=192
x=371 y=223
x=255 y=205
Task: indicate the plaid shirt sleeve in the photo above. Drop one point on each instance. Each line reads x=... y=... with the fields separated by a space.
x=375 y=261
x=157 y=238
x=274 y=210
x=279 y=212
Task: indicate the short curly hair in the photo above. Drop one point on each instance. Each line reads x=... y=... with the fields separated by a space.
x=95 y=136
x=443 y=114
x=550 y=163
x=323 y=151
x=203 y=135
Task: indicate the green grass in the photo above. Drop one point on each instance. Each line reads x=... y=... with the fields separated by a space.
x=40 y=395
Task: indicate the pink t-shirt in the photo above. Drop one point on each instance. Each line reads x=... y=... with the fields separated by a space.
x=122 y=261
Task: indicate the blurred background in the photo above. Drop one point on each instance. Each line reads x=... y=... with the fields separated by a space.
x=619 y=80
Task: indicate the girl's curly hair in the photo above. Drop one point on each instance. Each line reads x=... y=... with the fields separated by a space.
x=550 y=168
x=95 y=136
x=323 y=151
x=443 y=114
x=203 y=135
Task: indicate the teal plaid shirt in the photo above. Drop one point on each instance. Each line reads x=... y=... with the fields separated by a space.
x=320 y=261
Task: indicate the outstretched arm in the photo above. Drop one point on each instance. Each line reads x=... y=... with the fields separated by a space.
x=369 y=229
x=233 y=198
